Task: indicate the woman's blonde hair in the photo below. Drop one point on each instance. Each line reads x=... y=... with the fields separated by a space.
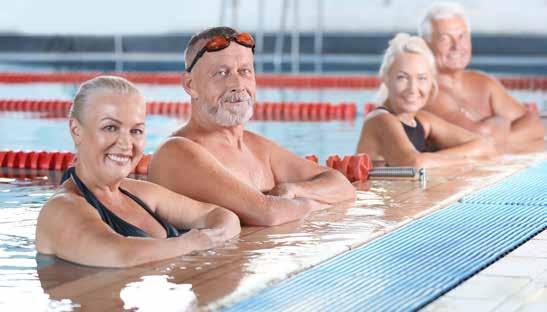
x=115 y=84
x=405 y=43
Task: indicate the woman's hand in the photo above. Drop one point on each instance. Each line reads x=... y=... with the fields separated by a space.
x=205 y=238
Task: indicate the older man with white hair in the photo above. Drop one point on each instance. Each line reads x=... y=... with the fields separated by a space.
x=468 y=98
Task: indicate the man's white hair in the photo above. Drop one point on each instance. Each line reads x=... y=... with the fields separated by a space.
x=437 y=11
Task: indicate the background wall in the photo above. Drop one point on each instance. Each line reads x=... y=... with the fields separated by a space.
x=104 y=17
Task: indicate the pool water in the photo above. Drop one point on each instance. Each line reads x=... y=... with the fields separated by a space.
x=21 y=198
x=38 y=131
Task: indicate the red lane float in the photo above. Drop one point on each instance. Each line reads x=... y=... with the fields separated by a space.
x=295 y=81
x=353 y=167
x=312 y=158
x=58 y=161
x=287 y=111
x=531 y=106
x=265 y=80
x=368 y=108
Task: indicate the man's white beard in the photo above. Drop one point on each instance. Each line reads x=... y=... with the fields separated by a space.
x=230 y=117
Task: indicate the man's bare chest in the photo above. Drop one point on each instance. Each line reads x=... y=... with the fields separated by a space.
x=248 y=167
x=473 y=103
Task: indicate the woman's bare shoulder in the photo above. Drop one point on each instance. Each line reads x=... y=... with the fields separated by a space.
x=64 y=201
x=378 y=119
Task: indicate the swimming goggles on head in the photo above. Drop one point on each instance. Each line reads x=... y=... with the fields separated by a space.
x=218 y=43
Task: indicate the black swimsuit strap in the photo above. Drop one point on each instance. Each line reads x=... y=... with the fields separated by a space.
x=386 y=109
x=116 y=223
x=416 y=134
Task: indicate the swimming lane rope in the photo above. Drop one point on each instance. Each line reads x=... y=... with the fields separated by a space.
x=263 y=80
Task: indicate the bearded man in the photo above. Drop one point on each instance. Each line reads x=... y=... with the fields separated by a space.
x=214 y=159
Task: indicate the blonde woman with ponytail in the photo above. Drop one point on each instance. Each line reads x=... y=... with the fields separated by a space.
x=398 y=132
x=98 y=216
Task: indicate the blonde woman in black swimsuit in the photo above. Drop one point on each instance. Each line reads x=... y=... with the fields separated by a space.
x=98 y=216
x=399 y=132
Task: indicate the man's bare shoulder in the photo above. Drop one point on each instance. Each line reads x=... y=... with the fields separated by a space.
x=249 y=135
x=178 y=146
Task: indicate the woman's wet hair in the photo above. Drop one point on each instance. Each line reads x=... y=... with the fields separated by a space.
x=114 y=84
x=404 y=43
x=437 y=11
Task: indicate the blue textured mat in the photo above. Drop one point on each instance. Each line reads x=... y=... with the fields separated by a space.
x=525 y=188
x=409 y=268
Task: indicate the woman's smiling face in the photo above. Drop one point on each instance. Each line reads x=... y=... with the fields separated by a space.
x=110 y=137
x=409 y=82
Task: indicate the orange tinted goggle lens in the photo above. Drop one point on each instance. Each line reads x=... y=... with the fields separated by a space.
x=217 y=43
x=245 y=39
x=220 y=42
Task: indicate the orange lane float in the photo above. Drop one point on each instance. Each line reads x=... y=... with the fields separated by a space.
x=58 y=161
x=354 y=167
x=264 y=80
x=359 y=168
x=286 y=111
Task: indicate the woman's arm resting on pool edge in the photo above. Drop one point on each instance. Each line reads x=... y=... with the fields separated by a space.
x=395 y=147
x=186 y=213
x=453 y=140
x=71 y=231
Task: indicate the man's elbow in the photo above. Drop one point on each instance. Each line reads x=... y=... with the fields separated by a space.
x=269 y=217
x=538 y=131
x=489 y=147
x=484 y=130
x=230 y=222
x=345 y=188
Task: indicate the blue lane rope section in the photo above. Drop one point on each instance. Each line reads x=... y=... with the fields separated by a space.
x=406 y=269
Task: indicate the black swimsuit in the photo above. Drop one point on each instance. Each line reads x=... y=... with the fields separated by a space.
x=116 y=223
x=416 y=135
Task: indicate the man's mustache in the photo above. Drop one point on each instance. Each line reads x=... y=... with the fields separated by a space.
x=236 y=97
